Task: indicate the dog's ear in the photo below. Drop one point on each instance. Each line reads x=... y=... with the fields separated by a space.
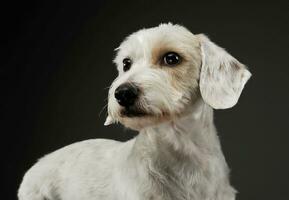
x=222 y=77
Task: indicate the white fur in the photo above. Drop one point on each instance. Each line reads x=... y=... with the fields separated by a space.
x=177 y=154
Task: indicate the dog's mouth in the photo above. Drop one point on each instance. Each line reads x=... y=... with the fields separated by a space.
x=133 y=111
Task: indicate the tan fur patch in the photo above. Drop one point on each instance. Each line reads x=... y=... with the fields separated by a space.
x=187 y=71
x=160 y=50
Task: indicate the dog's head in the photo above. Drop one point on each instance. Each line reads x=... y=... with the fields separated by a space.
x=164 y=70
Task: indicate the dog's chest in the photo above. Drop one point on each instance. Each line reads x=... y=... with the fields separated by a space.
x=183 y=183
x=178 y=180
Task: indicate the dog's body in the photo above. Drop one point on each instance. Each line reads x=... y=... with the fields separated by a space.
x=177 y=154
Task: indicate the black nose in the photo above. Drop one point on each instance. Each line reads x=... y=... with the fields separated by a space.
x=126 y=94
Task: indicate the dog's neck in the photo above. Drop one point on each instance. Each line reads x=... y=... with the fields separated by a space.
x=192 y=132
x=177 y=152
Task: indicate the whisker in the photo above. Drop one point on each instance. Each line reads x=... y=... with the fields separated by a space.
x=101 y=111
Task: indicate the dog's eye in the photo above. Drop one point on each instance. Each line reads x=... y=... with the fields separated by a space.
x=171 y=59
x=126 y=64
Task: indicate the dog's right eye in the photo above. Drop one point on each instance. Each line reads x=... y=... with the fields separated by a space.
x=126 y=64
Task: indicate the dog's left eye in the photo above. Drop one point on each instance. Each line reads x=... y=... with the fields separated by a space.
x=126 y=64
x=171 y=59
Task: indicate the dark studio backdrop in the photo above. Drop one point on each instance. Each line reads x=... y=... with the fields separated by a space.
x=57 y=62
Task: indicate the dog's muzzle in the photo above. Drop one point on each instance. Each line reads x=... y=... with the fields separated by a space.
x=126 y=94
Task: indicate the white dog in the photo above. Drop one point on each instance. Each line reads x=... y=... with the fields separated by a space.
x=169 y=82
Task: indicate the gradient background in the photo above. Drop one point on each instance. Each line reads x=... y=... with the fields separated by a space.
x=57 y=64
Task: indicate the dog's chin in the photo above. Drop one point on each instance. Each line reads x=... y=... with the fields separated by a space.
x=131 y=112
x=137 y=119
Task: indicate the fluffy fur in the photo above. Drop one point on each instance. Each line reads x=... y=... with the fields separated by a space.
x=177 y=154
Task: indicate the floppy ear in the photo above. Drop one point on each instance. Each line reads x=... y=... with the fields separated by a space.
x=222 y=77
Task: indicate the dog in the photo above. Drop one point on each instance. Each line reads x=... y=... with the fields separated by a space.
x=169 y=82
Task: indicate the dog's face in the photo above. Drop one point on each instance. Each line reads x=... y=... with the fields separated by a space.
x=164 y=70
